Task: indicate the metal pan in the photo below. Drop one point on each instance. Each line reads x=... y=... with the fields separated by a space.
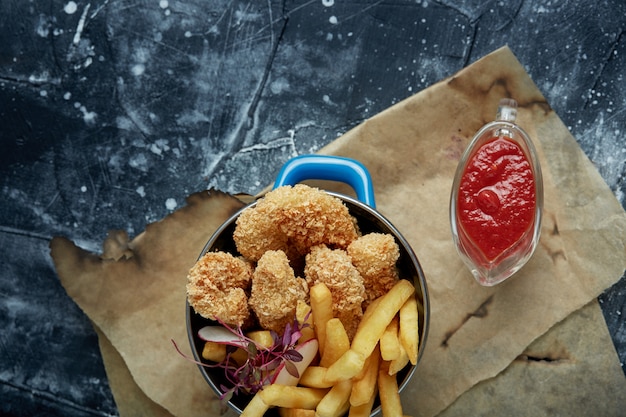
x=318 y=167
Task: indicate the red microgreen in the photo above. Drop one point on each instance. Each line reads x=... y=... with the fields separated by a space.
x=257 y=370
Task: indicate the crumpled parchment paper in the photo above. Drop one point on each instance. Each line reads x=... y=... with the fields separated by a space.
x=540 y=330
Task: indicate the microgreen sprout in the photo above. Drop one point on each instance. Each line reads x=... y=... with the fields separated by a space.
x=258 y=368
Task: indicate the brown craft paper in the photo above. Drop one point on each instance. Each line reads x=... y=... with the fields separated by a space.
x=559 y=374
x=134 y=293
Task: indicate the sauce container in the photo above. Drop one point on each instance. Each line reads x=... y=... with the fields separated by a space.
x=497 y=199
x=319 y=167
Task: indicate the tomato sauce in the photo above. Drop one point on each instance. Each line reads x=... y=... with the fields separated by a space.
x=496 y=199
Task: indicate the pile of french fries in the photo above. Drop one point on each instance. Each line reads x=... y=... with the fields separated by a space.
x=350 y=376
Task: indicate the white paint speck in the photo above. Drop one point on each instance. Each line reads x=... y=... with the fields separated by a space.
x=164 y=4
x=170 y=204
x=159 y=146
x=67 y=95
x=43 y=93
x=155 y=149
x=43 y=26
x=70 y=7
x=333 y=20
x=328 y=3
x=83 y=189
x=138 y=69
x=88 y=116
x=188 y=34
x=139 y=162
x=141 y=191
x=279 y=85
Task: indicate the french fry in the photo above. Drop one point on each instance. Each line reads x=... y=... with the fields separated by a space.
x=255 y=408
x=303 y=312
x=304 y=315
x=388 y=392
x=213 y=351
x=240 y=356
x=389 y=343
x=363 y=371
x=314 y=377
x=374 y=322
x=346 y=367
x=322 y=310
x=400 y=362
x=336 y=344
x=336 y=402
x=262 y=337
x=372 y=327
x=364 y=385
x=370 y=308
x=409 y=331
x=364 y=410
x=295 y=412
x=288 y=396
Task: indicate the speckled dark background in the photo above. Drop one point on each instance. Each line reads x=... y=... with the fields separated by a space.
x=113 y=111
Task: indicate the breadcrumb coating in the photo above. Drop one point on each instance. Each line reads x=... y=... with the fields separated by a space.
x=294 y=219
x=375 y=255
x=217 y=285
x=297 y=227
x=334 y=268
x=275 y=291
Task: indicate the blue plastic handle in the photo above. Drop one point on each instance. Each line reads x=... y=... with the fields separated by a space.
x=326 y=167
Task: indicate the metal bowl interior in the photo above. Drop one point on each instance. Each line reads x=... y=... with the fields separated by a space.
x=369 y=220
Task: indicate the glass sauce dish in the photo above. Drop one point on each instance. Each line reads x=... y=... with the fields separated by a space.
x=497 y=199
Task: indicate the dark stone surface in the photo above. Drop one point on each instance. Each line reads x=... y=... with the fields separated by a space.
x=111 y=112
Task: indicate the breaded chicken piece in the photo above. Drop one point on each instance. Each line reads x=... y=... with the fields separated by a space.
x=294 y=219
x=334 y=268
x=217 y=285
x=312 y=217
x=256 y=232
x=375 y=255
x=275 y=291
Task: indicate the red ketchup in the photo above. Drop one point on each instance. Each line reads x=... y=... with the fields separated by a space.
x=495 y=208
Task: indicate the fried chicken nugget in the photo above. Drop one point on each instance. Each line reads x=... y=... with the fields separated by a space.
x=334 y=268
x=276 y=291
x=375 y=255
x=311 y=217
x=294 y=219
x=256 y=232
x=217 y=285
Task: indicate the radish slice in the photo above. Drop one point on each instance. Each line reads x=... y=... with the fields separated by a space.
x=219 y=334
x=308 y=350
